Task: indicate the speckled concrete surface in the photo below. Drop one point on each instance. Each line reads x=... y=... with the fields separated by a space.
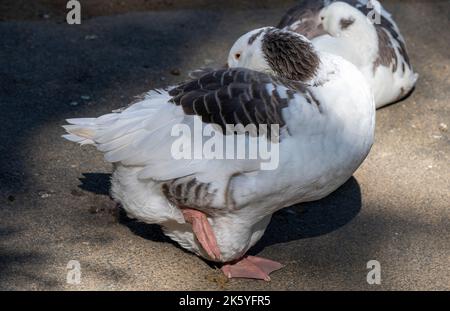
x=54 y=205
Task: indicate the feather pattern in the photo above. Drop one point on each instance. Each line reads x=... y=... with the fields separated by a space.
x=326 y=132
x=389 y=71
x=236 y=97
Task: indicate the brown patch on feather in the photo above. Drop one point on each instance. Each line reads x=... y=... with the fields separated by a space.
x=188 y=192
x=386 y=52
x=345 y=23
x=254 y=37
x=235 y=96
x=303 y=19
x=290 y=56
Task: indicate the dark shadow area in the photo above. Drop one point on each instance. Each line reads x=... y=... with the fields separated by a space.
x=313 y=219
x=17 y=265
x=146 y=231
x=46 y=69
x=301 y=221
x=402 y=98
x=56 y=9
x=50 y=71
x=98 y=183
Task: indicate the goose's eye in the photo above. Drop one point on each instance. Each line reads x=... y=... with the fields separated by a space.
x=322 y=18
x=237 y=56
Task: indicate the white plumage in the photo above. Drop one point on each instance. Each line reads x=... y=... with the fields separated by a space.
x=364 y=33
x=322 y=143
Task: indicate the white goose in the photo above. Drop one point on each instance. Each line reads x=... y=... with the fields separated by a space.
x=362 y=32
x=216 y=208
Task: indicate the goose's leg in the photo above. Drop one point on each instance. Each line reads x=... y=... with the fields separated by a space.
x=251 y=267
x=267 y=265
x=203 y=231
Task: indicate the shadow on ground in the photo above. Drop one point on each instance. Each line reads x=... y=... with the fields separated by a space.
x=46 y=72
x=314 y=219
x=297 y=222
x=50 y=71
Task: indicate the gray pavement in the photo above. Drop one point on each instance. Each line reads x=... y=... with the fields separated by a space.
x=54 y=204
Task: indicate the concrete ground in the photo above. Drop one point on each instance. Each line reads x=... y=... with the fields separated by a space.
x=54 y=204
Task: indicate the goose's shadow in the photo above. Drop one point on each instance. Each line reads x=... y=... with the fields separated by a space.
x=300 y=221
x=100 y=183
x=313 y=219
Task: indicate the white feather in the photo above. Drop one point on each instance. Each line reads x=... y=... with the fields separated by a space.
x=322 y=150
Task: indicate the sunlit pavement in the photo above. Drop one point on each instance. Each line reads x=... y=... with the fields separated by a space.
x=54 y=204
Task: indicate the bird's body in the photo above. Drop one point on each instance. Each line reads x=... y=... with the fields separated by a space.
x=362 y=32
x=326 y=129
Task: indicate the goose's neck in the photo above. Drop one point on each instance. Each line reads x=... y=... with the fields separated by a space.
x=290 y=56
x=362 y=40
x=327 y=68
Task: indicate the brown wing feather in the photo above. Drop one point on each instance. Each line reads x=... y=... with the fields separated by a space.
x=305 y=9
x=303 y=18
x=235 y=96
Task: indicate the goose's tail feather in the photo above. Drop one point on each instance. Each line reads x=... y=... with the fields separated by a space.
x=81 y=130
x=113 y=129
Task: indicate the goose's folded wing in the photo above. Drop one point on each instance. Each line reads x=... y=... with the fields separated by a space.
x=142 y=135
x=304 y=18
x=236 y=97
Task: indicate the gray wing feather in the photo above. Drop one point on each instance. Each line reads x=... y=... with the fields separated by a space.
x=236 y=96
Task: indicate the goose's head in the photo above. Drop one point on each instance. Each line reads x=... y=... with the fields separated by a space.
x=247 y=51
x=277 y=52
x=340 y=19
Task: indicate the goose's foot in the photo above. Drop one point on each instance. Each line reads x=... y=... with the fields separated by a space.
x=203 y=231
x=251 y=267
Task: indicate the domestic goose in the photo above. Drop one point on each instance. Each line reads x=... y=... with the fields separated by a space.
x=362 y=32
x=315 y=112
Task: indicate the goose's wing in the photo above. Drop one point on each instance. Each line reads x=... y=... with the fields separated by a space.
x=142 y=135
x=304 y=18
x=236 y=96
x=200 y=72
x=389 y=35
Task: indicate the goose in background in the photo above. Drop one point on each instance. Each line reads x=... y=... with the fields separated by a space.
x=365 y=34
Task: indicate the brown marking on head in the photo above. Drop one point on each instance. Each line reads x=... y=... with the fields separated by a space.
x=345 y=23
x=254 y=37
x=289 y=55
